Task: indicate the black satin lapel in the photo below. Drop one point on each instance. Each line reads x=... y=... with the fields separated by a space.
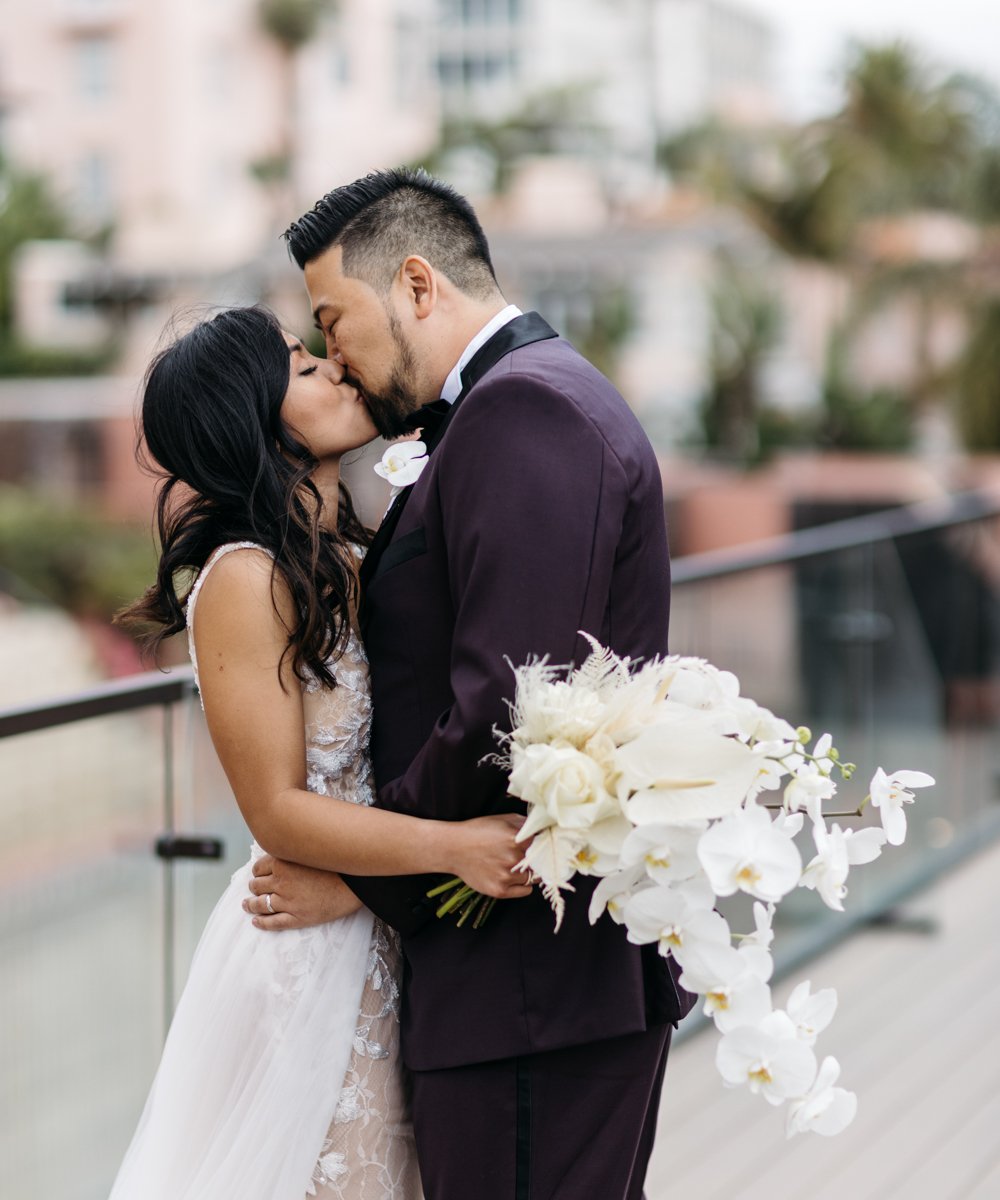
x=383 y=535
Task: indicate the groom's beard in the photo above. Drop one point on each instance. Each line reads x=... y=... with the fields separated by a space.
x=391 y=407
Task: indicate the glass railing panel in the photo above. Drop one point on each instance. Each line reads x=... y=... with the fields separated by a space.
x=204 y=806
x=81 y=939
x=893 y=646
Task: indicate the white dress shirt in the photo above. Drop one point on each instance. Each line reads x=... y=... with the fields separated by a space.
x=453 y=384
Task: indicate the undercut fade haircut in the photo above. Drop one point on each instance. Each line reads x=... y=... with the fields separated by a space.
x=382 y=219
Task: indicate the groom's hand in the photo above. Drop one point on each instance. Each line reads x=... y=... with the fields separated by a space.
x=300 y=896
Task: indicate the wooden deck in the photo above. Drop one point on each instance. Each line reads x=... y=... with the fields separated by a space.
x=918 y=1038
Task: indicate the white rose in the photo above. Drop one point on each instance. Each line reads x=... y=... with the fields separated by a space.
x=565 y=787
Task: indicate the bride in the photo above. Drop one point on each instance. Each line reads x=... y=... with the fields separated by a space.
x=280 y=1077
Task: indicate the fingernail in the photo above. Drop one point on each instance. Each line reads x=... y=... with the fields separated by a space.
x=256 y=922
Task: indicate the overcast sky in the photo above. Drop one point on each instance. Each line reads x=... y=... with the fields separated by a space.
x=811 y=35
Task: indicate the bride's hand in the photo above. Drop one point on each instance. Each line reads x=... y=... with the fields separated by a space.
x=485 y=854
x=289 y=896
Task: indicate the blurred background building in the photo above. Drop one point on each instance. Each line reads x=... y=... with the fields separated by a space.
x=758 y=285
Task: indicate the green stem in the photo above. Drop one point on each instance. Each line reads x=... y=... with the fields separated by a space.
x=453 y=901
x=487 y=907
x=467 y=908
x=445 y=887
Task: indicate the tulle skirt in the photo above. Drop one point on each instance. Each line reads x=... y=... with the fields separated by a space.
x=253 y=1066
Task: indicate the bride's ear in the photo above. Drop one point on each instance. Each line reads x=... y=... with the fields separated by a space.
x=419 y=284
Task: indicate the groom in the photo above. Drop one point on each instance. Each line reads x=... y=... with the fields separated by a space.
x=537 y=1058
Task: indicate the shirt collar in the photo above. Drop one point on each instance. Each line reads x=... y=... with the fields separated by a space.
x=453 y=384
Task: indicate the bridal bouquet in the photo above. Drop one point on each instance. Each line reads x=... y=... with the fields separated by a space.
x=662 y=779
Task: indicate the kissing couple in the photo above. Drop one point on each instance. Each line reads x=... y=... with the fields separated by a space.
x=340 y=1041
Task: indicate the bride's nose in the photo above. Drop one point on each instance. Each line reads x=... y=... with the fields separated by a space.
x=333 y=370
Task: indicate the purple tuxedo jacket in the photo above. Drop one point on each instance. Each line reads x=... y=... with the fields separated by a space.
x=540 y=513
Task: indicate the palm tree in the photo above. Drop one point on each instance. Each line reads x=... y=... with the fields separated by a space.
x=291 y=24
x=28 y=210
x=978 y=392
x=745 y=328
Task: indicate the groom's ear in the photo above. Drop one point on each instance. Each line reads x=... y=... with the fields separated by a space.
x=419 y=283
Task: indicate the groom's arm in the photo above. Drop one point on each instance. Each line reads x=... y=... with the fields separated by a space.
x=533 y=502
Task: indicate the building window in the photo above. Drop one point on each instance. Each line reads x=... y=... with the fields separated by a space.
x=93 y=67
x=94 y=187
x=220 y=73
x=450 y=71
x=340 y=67
x=482 y=12
x=410 y=59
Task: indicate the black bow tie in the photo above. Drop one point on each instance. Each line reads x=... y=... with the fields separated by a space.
x=428 y=418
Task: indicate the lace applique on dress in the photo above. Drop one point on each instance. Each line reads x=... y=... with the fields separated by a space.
x=369 y=1153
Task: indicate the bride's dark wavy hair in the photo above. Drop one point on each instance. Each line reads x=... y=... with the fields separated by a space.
x=232 y=471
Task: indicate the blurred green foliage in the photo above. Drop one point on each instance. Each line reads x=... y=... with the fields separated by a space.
x=73 y=556
x=905 y=138
x=555 y=121
x=39 y=363
x=28 y=210
x=979 y=382
x=292 y=23
x=855 y=418
x=746 y=324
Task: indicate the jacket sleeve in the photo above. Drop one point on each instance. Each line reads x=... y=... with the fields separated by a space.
x=532 y=501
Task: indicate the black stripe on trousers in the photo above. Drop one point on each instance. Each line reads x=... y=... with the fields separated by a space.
x=522 y=1160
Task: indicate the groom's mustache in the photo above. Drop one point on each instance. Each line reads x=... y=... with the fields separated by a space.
x=354 y=382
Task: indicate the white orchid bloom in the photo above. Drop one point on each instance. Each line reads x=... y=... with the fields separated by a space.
x=614 y=892
x=827 y=872
x=811 y=1014
x=677 y=918
x=824 y=1109
x=807 y=789
x=837 y=850
x=669 y=853
x=680 y=771
x=699 y=685
x=889 y=794
x=821 y=751
x=402 y=463
x=864 y=845
x=734 y=991
x=738 y=716
x=770 y=772
x=789 y=824
x=746 y=852
x=768 y=1057
x=773 y=730
x=603 y=850
x=763 y=934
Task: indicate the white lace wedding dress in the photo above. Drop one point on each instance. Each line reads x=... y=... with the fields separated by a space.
x=280 y=1076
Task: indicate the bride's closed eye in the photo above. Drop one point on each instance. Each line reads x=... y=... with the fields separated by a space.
x=308 y=371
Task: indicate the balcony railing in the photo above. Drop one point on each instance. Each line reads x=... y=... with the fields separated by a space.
x=884 y=629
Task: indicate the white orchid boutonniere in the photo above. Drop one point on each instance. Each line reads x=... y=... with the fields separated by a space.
x=401 y=464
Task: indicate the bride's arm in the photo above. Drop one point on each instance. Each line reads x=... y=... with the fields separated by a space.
x=253 y=705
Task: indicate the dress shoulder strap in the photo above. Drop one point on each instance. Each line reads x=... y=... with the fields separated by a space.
x=192 y=599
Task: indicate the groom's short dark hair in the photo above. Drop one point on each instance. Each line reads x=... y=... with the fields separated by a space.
x=381 y=219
